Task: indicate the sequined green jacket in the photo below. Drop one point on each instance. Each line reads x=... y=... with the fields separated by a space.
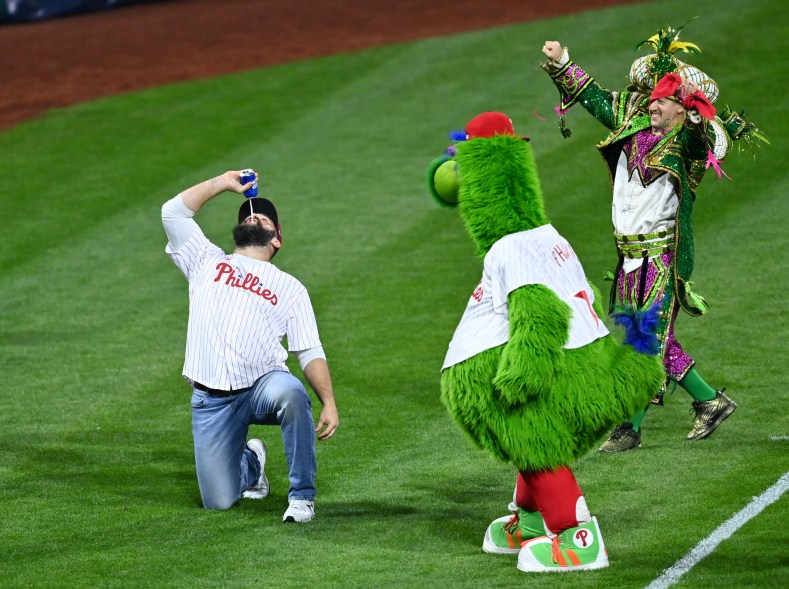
x=682 y=153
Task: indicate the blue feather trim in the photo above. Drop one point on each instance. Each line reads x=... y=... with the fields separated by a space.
x=640 y=327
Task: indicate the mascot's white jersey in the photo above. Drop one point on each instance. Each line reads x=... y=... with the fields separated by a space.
x=537 y=256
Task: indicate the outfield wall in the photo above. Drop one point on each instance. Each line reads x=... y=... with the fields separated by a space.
x=21 y=11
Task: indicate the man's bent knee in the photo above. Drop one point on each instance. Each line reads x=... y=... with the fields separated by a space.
x=292 y=398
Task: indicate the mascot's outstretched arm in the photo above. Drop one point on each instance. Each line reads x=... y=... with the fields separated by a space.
x=539 y=322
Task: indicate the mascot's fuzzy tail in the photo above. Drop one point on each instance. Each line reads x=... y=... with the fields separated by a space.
x=640 y=327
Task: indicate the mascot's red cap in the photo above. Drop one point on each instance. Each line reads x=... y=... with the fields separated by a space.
x=490 y=124
x=262 y=206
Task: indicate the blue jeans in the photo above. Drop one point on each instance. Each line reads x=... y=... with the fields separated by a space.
x=225 y=466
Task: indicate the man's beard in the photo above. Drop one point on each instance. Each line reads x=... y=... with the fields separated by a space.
x=252 y=235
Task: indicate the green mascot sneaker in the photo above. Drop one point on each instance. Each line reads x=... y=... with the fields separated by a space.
x=506 y=534
x=576 y=549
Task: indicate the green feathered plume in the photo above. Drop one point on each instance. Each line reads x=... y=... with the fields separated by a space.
x=742 y=131
x=665 y=43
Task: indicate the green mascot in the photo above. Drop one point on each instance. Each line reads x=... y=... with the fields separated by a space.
x=532 y=374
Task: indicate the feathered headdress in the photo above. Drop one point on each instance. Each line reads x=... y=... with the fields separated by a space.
x=645 y=72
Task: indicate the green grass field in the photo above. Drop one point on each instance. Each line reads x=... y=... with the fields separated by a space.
x=97 y=481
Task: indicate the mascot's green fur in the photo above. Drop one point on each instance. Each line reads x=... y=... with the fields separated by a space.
x=559 y=381
x=532 y=402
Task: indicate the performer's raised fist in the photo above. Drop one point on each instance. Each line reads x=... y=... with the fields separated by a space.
x=553 y=50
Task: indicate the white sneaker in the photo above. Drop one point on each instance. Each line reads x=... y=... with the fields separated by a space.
x=299 y=510
x=260 y=489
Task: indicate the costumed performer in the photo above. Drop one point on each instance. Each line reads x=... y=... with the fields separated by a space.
x=532 y=374
x=664 y=135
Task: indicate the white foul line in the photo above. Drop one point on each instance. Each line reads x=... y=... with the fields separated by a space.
x=672 y=574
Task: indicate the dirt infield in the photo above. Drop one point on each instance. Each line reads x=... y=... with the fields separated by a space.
x=68 y=60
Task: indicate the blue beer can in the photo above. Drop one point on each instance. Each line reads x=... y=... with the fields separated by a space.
x=248 y=175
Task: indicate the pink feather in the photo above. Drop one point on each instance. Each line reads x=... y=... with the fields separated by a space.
x=715 y=163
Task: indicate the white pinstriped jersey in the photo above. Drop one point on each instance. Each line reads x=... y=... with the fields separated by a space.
x=537 y=256
x=239 y=311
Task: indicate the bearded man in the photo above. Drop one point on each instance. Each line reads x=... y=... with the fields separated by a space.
x=240 y=308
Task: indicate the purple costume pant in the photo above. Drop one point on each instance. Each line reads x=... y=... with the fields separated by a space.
x=650 y=283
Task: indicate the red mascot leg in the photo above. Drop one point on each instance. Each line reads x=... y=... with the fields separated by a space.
x=556 y=495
